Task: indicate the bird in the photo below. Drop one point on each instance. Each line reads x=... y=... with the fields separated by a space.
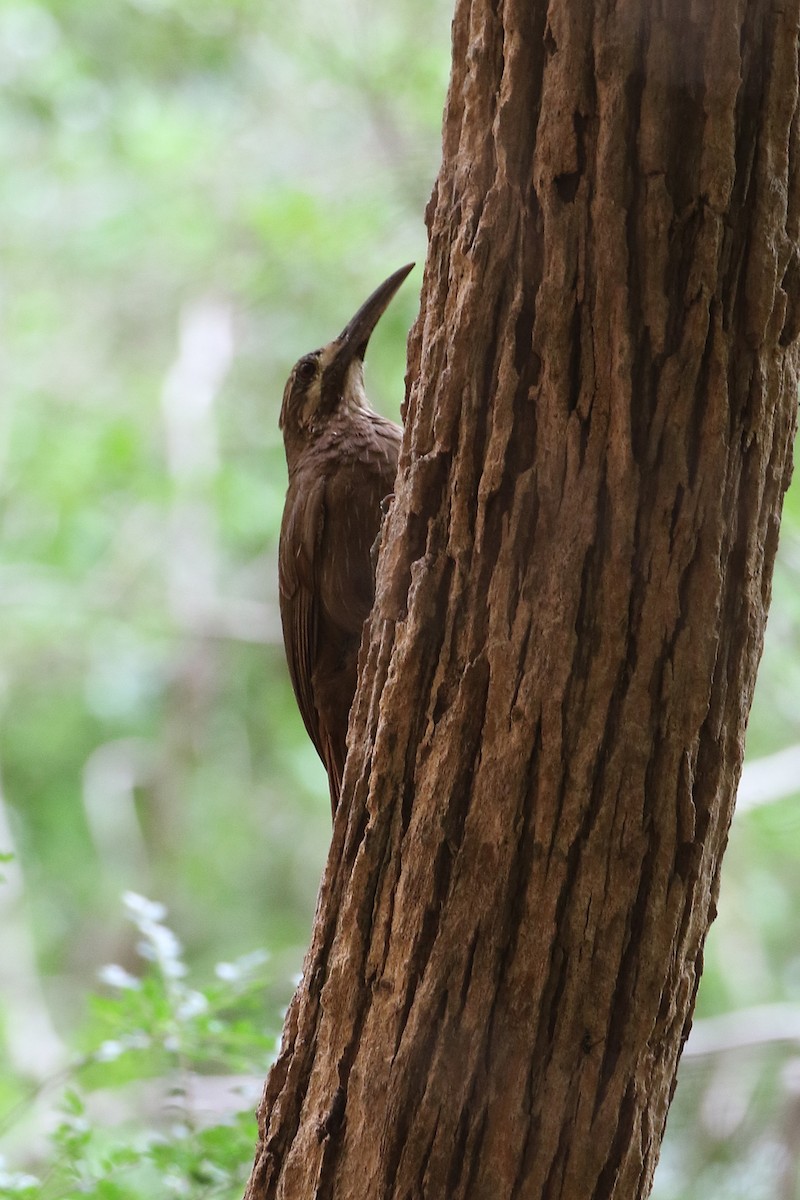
x=342 y=462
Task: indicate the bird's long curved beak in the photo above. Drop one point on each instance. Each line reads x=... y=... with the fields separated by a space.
x=353 y=340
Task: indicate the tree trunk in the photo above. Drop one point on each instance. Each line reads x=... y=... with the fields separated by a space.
x=572 y=590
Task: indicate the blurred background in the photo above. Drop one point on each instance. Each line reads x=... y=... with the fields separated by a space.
x=192 y=194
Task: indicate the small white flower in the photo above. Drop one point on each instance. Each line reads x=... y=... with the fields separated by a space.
x=192 y=1005
x=17 y=1181
x=173 y=968
x=229 y=972
x=242 y=967
x=109 y=1051
x=117 y=977
x=167 y=949
x=177 y=1185
x=142 y=909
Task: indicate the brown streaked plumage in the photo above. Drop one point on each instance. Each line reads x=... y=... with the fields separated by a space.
x=342 y=460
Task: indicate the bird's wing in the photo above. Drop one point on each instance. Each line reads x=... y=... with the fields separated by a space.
x=326 y=584
x=354 y=495
x=298 y=556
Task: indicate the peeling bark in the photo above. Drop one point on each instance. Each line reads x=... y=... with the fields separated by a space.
x=572 y=591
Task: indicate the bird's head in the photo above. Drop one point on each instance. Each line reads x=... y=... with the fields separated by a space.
x=331 y=379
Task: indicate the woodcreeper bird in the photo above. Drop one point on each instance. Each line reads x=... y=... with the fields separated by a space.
x=342 y=460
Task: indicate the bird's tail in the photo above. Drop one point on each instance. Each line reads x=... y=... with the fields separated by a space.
x=334 y=765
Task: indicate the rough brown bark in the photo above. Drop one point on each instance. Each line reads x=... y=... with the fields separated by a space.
x=572 y=591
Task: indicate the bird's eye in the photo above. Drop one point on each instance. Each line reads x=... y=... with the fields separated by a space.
x=306 y=369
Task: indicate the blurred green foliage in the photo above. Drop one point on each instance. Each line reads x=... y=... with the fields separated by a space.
x=192 y=194
x=179 y=180
x=168 y=1063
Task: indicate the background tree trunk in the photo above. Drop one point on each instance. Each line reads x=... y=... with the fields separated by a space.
x=572 y=592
